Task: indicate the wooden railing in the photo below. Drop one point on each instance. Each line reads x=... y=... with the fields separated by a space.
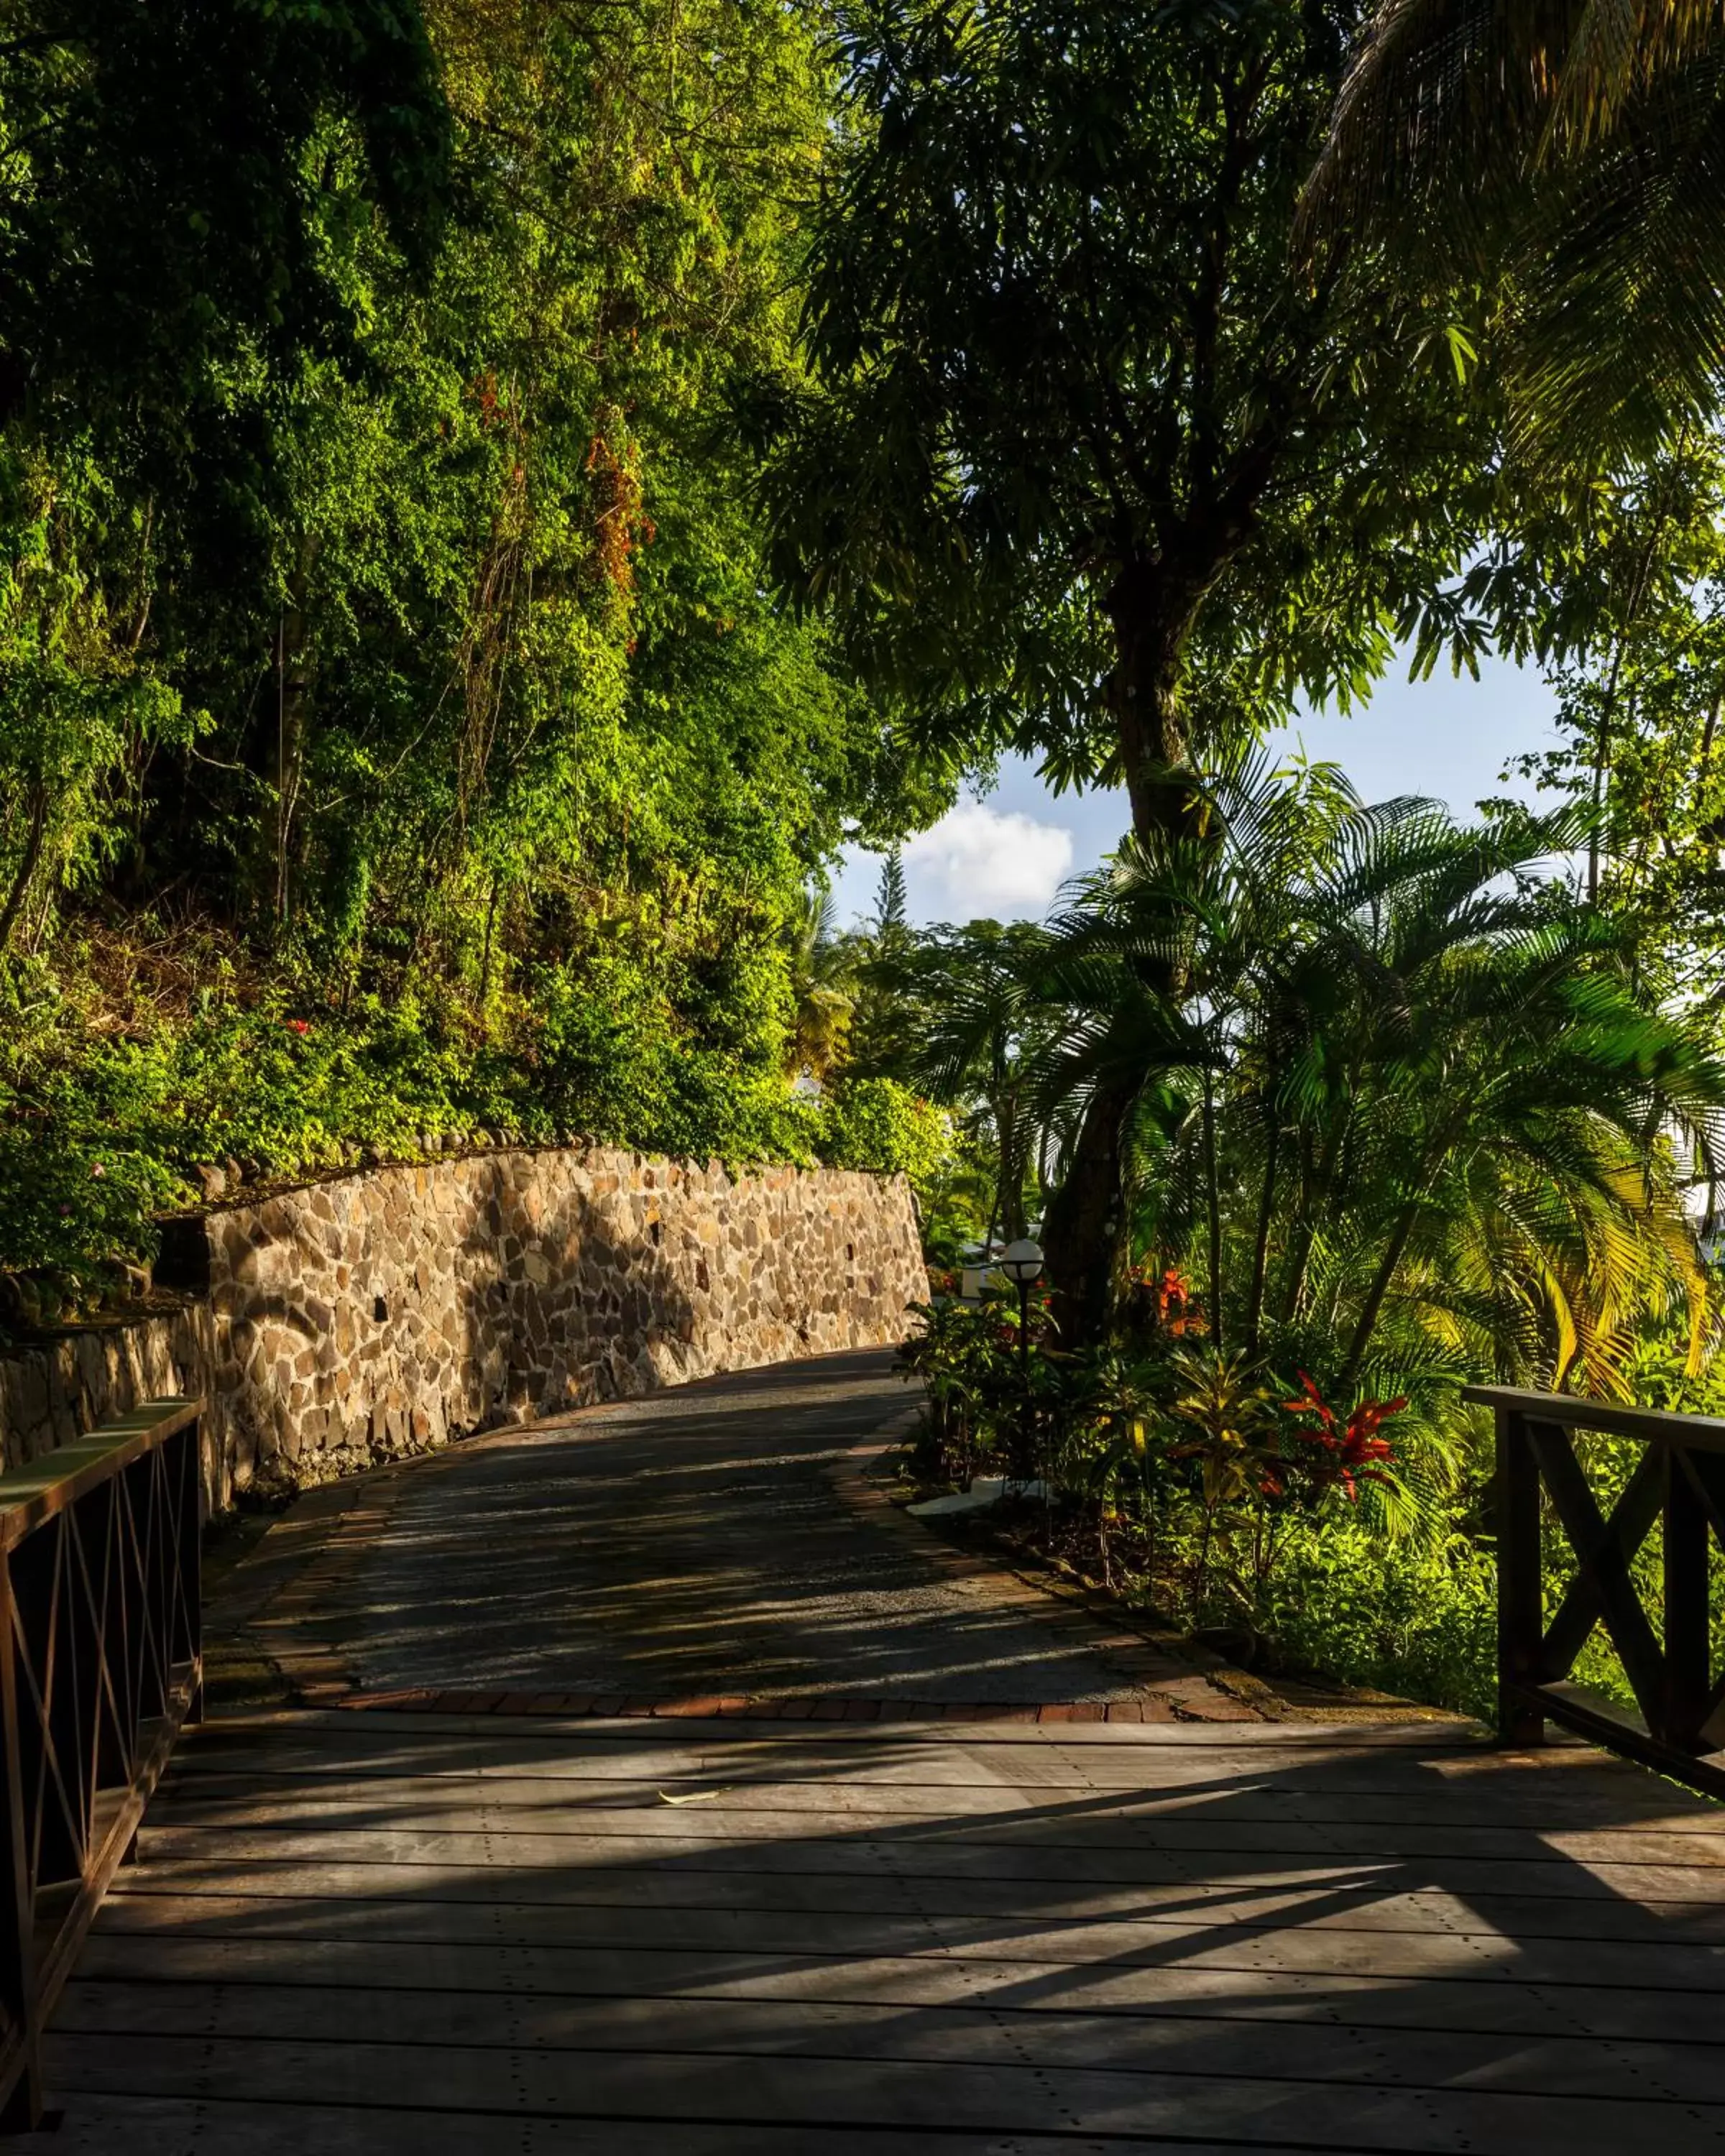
x=1679 y=1481
x=100 y=1665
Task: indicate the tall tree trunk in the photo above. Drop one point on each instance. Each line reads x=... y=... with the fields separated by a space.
x=1319 y=1186
x=1009 y=1184
x=1213 y=1202
x=1152 y=613
x=1260 y=1243
x=1602 y=765
x=1607 y=709
x=1367 y=1323
x=293 y=704
x=1082 y=1233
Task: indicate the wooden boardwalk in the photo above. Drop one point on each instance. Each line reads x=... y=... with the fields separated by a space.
x=371 y=1932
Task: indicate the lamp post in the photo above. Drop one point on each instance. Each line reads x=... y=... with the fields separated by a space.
x=1022 y=1264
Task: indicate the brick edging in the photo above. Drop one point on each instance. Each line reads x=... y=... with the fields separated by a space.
x=747 y=1707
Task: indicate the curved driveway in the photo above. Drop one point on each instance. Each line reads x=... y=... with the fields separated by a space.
x=697 y=1542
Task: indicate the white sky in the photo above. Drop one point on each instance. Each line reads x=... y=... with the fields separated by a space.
x=1006 y=855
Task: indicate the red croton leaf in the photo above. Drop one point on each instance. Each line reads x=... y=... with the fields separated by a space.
x=1357 y=1452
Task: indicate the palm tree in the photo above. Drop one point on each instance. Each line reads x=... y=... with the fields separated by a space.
x=1407 y=1110
x=978 y=1018
x=1191 y=908
x=1570 y=158
x=1499 y=1085
x=823 y=983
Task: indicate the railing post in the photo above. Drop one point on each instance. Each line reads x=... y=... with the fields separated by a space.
x=190 y=1498
x=21 y=2107
x=99 y=1652
x=1520 y=1600
x=1688 y=1659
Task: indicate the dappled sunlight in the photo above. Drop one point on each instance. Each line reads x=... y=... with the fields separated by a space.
x=1190 y=1932
x=694 y=1931
x=682 y=1544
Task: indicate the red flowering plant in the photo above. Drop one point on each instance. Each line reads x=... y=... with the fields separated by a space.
x=1343 y=1455
x=1163 y=1298
x=1174 y=1304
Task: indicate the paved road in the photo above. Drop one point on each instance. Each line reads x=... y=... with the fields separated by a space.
x=694 y=1543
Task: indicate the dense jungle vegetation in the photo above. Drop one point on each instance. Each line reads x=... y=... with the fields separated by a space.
x=497 y=493
x=399 y=740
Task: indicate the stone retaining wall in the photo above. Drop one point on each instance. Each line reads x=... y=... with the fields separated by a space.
x=386 y=1312
x=90 y=1373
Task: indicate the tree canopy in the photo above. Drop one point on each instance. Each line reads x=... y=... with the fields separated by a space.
x=385 y=642
x=1094 y=468
x=1565 y=159
x=496 y=496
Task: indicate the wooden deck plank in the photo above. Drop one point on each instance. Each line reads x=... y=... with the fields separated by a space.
x=910 y=1950
x=902 y=1787
x=1055 y=2039
x=1247 y=1802
x=712 y=2088
x=597 y=1731
x=1671 y=1868
x=1403 y=1940
x=1568 y=1785
x=373 y=1932
x=1556 y=1900
x=147 y=2126
x=725 y=1792
x=525 y=1748
x=1289 y=1897
x=1222 y=1834
x=953 y=1752
x=1027 y=1748
x=903 y=1783
x=1604 y=2014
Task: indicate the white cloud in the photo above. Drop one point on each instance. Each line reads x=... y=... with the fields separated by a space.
x=977 y=861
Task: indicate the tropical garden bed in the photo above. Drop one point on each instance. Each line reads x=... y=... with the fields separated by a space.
x=1349 y=1559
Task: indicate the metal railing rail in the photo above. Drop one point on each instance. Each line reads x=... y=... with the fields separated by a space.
x=101 y=1665
x=1678 y=1725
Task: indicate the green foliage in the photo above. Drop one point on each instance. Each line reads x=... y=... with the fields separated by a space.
x=1410 y=1114
x=1407 y=1117
x=1094 y=467
x=1417 y=1618
x=974 y=1362
x=76 y=707
x=1228 y=1496
x=102 y=1129
x=1564 y=160
x=876 y=1123
x=959 y=1013
x=385 y=643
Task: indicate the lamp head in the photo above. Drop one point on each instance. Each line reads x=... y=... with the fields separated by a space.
x=1021 y=1262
